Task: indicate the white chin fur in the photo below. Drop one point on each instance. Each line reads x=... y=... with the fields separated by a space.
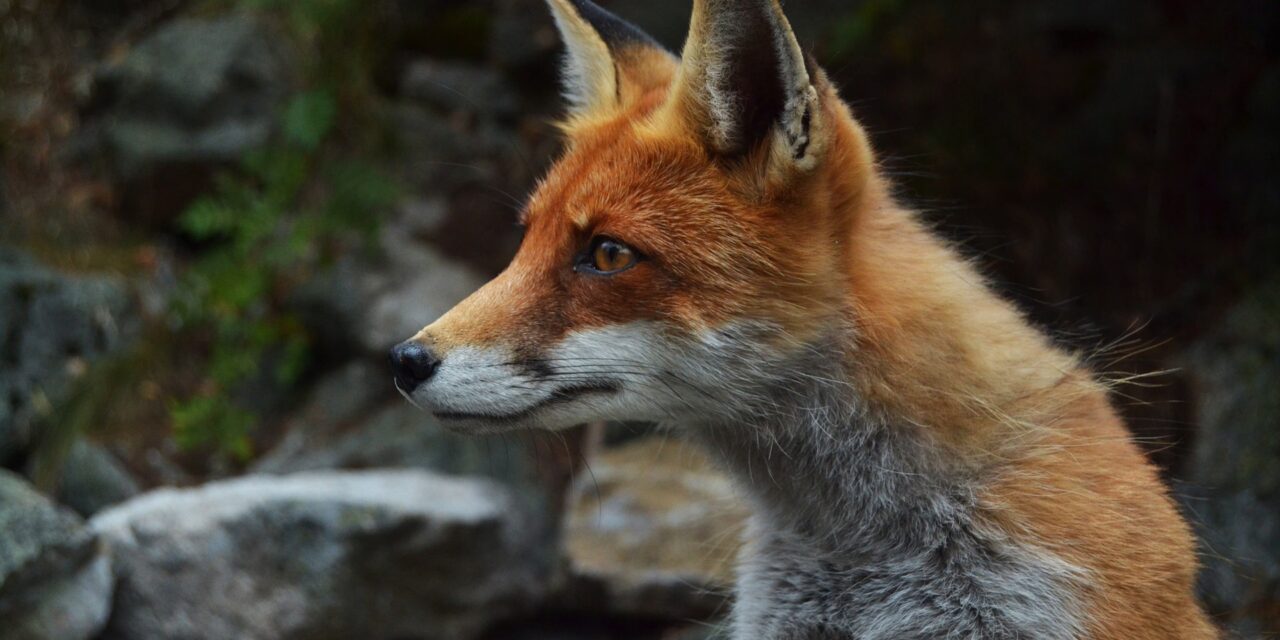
x=632 y=371
x=591 y=375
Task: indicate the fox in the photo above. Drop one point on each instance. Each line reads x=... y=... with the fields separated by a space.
x=718 y=251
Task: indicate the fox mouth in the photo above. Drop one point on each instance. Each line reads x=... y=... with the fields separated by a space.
x=556 y=397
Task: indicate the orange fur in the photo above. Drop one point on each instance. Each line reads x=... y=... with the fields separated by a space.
x=934 y=347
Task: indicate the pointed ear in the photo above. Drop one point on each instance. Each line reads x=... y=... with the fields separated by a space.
x=608 y=61
x=744 y=81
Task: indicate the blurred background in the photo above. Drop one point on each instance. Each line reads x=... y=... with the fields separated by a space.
x=218 y=214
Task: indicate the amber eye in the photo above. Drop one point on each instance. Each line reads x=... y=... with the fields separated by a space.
x=608 y=256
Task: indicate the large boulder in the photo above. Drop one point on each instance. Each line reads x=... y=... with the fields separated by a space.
x=55 y=579
x=353 y=420
x=1232 y=488
x=51 y=325
x=653 y=531
x=386 y=554
x=193 y=96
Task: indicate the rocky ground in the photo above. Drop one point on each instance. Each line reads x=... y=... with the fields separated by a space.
x=1117 y=160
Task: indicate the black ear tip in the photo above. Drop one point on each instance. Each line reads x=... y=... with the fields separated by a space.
x=613 y=30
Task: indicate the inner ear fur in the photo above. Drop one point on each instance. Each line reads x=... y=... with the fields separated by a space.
x=745 y=87
x=609 y=62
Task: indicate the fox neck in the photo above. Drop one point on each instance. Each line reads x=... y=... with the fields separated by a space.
x=846 y=500
x=911 y=396
x=817 y=460
x=865 y=466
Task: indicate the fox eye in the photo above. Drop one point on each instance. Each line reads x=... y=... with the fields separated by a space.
x=608 y=256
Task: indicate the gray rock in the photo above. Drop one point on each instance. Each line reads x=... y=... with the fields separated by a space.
x=363 y=306
x=338 y=405
x=1232 y=490
x=55 y=580
x=196 y=89
x=353 y=420
x=653 y=531
x=420 y=286
x=401 y=436
x=338 y=401
x=396 y=436
x=197 y=93
x=51 y=325
x=92 y=479
x=388 y=554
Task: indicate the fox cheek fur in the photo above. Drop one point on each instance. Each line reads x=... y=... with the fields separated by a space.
x=717 y=250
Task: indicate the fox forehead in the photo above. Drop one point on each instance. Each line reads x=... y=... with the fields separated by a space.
x=620 y=173
x=663 y=196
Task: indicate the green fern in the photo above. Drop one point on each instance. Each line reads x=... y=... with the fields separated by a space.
x=267 y=221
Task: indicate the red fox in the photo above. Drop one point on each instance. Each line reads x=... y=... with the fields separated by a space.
x=717 y=250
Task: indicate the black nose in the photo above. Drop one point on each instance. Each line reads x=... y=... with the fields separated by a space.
x=412 y=365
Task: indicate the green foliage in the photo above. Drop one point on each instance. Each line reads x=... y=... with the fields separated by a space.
x=266 y=226
x=210 y=420
x=309 y=118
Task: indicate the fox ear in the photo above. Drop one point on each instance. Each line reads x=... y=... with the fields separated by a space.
x=608 y=60
x=744 y=80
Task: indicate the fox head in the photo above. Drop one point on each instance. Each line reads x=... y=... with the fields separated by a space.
x=686 y=251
